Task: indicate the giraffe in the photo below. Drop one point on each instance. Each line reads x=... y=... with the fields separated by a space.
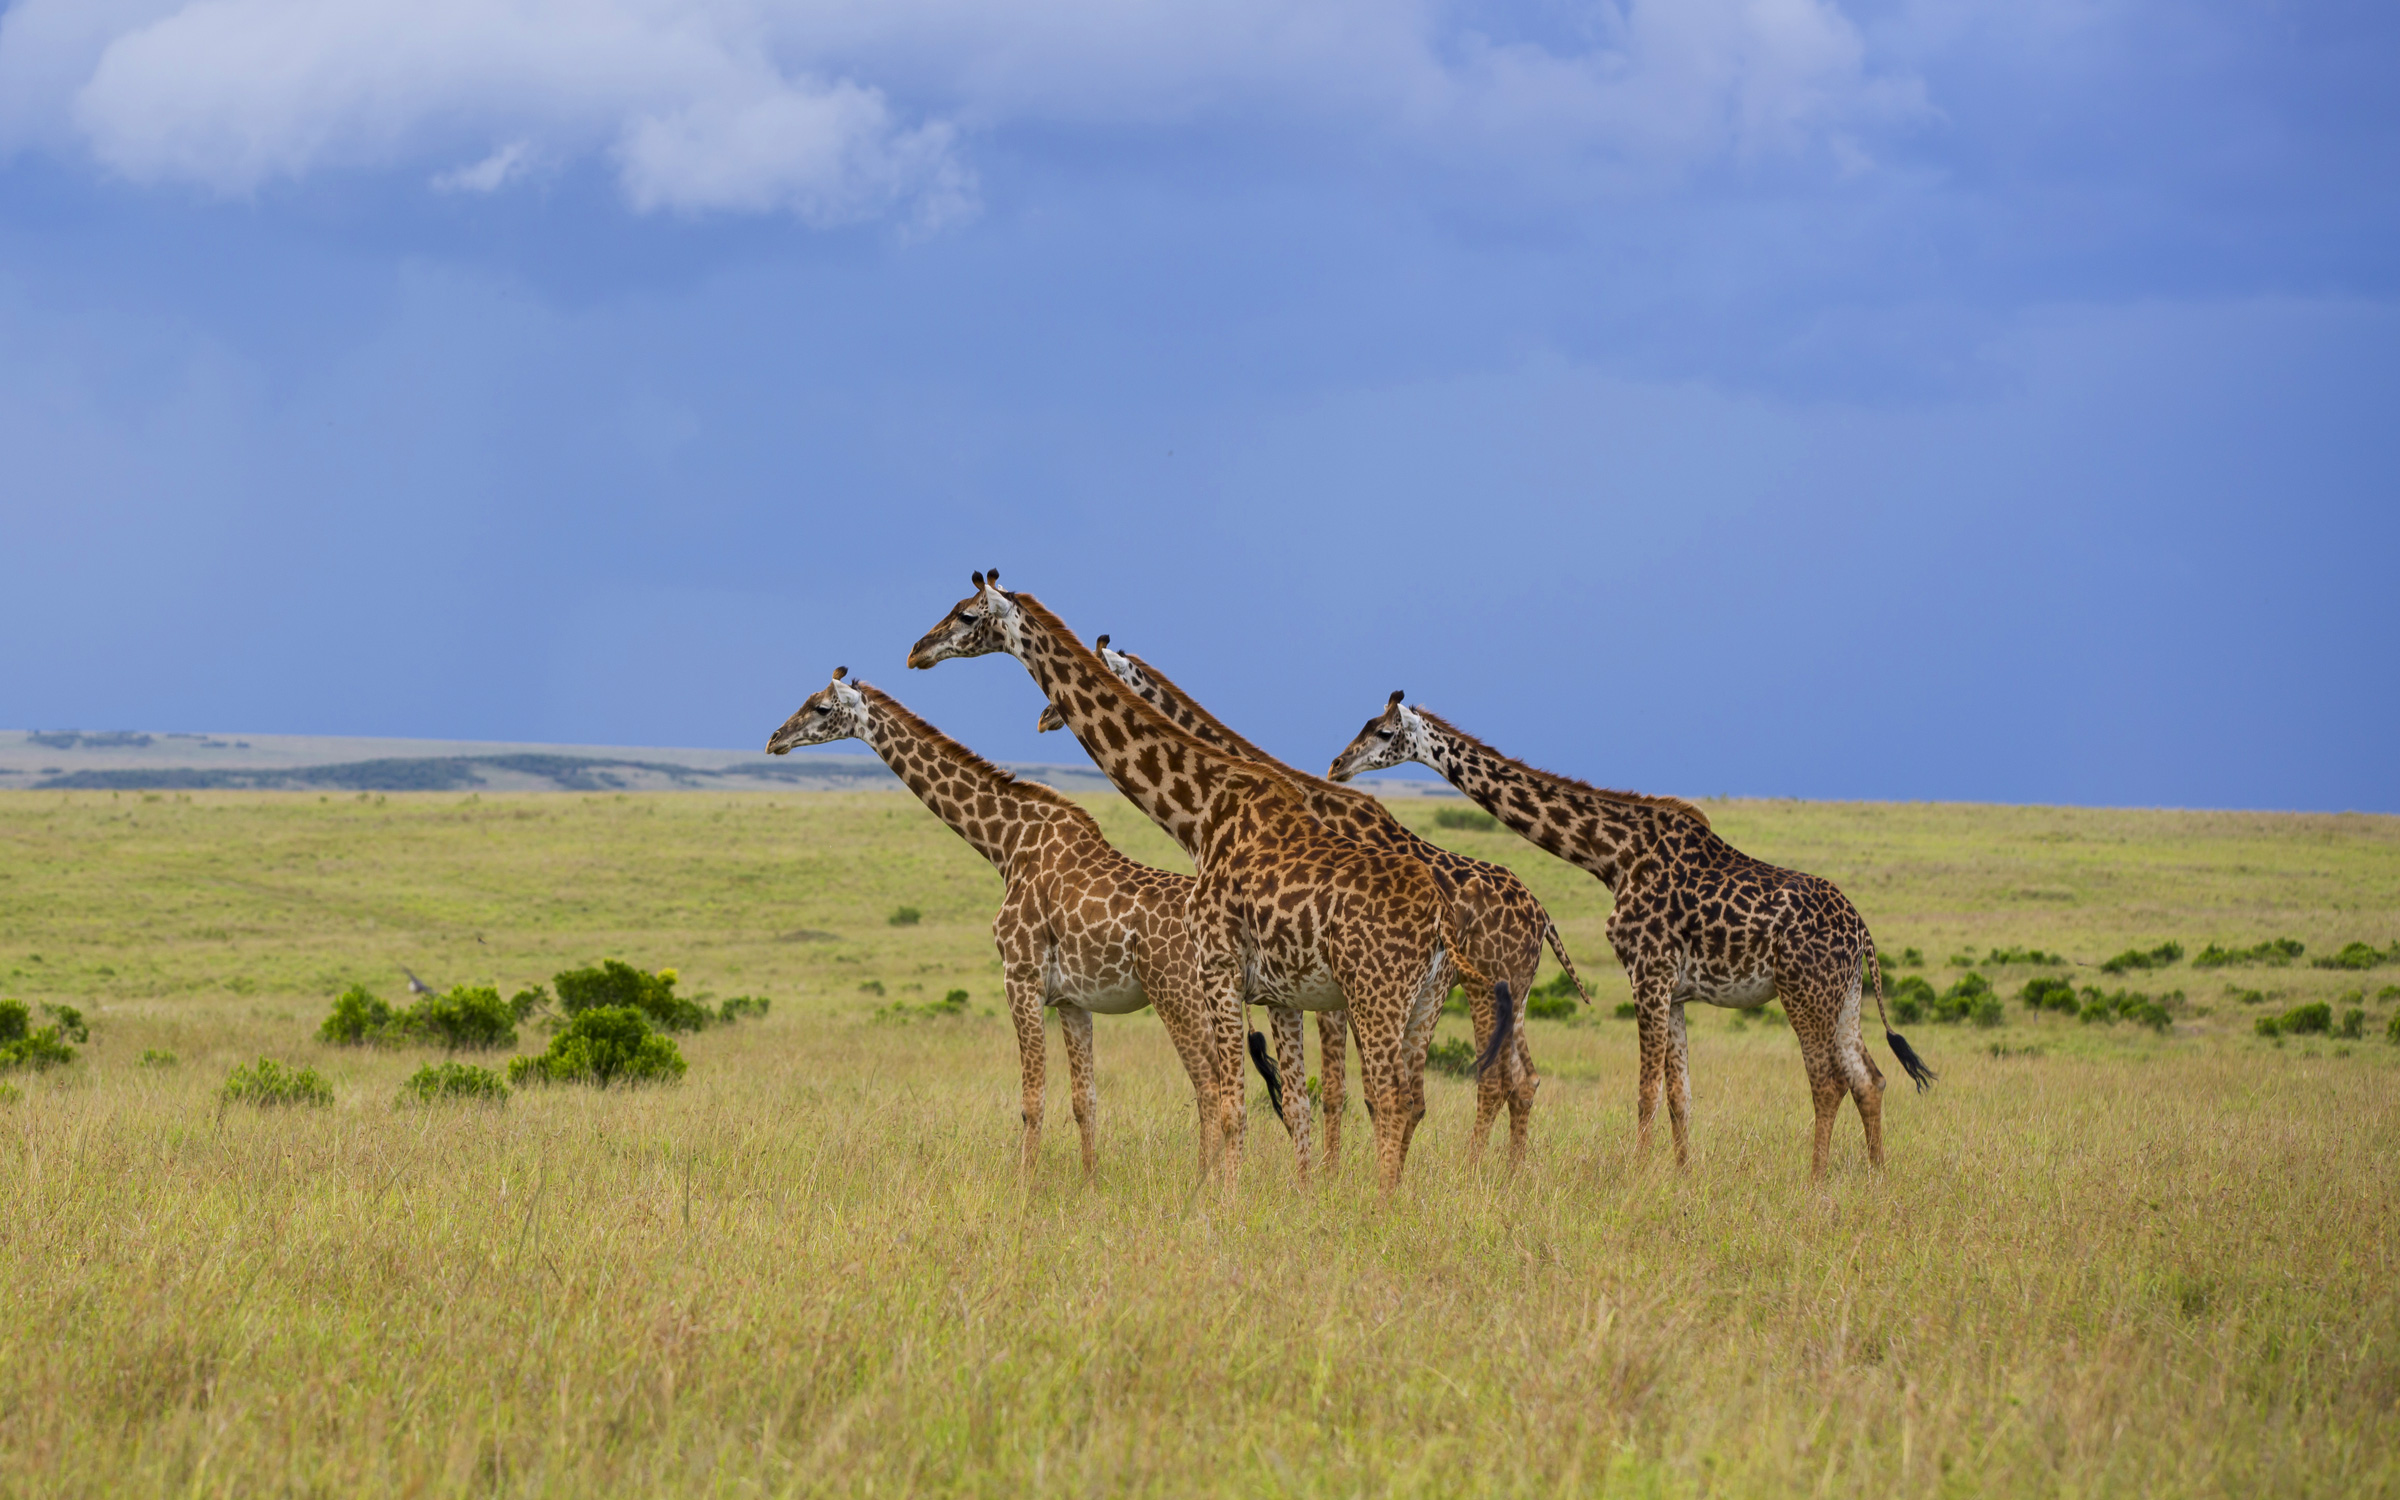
x=1286 y=910
x=1501 y=927
x=1081 y=927
x=1694 y=919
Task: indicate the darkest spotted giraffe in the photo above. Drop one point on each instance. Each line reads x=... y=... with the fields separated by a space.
x=1501 y=927
x=1695 y=918
x=1286 y=911
x=1080 y=927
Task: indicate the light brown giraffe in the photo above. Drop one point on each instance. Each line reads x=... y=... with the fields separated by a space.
x=1081 y=928
x=1287 y=912
x=1501 y=927
x=1694 y=918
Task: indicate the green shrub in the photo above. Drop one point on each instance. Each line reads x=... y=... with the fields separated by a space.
x=739 y=1006
x=24 y=1045
x=2275 y=952
x=1912 y=997
x=1544 y=1005
x=949 y=1007
x=432 y=1083
x=1455 y=1057
x=2359 y=956
x=358 y=1020
x=1999 y=956
x=1957 y=1003
x=270 y=1084
x=617 y=986
x=871 y=987
x=2047 y=993
x=10 y=1093
x=1474 y=819
x=2245 y=997
x=1627 y=1010
x=1987 y=1011
x=2143 y=958
x=2388 y=992
x=2298 y=1021
x=906 y=916
x=1910 y=958
x=525 y=1002
x=2391 y=1032
x=152 y=1057
x=2353 y=1025
x=603 y=1045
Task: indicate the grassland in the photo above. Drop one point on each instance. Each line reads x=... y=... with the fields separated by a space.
x=2103 y=1261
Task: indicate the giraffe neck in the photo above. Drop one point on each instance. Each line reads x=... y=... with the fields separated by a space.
x=983 y=804
x=1359 y=814
x=1188 y=788
x=1606 y=835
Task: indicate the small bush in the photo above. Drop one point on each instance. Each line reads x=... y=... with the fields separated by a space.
x=1627 y=1010
x=2353 y=1025
x=2388 y=992
x=2391 y=1032
x=153 y=1057
x=464 y=1020
x=871 y=987
x=1545 y=1005
x=1912 y=998
x=1455 y=1057
x=431 y=1084
x=24 y=1045
x=10 y=1093
x=2359 y=956
x=2245 y=997
x=1909 y=958
x=740 y=1006
x=1999 y=956
x=358 y=1020
x=2047 y=993
x=603 y=1045
x=1957 y=1003
x=906 y=916
x=270 y=1084
x=949 y=1007
x=2275 y=952
x=525 y=1002
x=2143 y=958
x=619 y=986
x=1473 y=819
x=1987 y=1011
x=2300 y=1020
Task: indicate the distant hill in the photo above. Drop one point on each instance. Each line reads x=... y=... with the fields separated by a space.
x=137 y=760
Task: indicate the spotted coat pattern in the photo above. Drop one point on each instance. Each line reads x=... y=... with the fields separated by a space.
x=1501 y=927
x=1694 y=919
x=1081 y=928
x=1287 y=912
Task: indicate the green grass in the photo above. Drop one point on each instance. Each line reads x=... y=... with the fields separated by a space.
x=2103 y=1260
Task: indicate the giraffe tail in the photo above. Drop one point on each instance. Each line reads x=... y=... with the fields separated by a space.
x=1558 y=950
x=1919 y=1074
x=1267 y=1070
x=1504 y=1026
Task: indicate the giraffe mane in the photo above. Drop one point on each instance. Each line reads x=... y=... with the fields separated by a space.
x=1630 y=799
x=960 y=755
x=1232 y=741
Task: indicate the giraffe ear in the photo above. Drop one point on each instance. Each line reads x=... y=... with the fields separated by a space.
x=992 y=576
x=1397 y=695
x=978 y=578
x=840 y=672
x=1103 y=643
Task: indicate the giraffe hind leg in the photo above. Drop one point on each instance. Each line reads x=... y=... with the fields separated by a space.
x=1075 y=1029
x=1333 y=1065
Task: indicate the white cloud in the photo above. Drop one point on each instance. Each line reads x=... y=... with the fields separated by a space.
x=840 y=110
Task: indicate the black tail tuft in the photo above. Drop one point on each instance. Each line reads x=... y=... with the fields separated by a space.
x=1909 y=1060
x=1268 y=1071
x=1504 y=1027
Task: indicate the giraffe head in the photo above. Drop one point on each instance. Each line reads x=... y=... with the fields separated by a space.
x=1390 y=738
x=1050 y=718
x=836 y=712
x=978 y=625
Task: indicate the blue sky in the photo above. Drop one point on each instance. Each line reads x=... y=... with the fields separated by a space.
x=1922 y=399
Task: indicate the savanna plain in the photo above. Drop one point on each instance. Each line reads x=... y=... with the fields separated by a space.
x=2105 y=1258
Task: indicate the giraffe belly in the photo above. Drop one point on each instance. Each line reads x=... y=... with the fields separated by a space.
x=1118 y=1000
x=1310 y=988
x=1114 y=993
x=1737 y=990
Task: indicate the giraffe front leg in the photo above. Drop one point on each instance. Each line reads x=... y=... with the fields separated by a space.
x=1491 y=1086
x=1679 y=1083
x=1196 y=1044
x=1024 y=980
x=1075 y=1029
x=1651 y=1021
x=1291 y=1059
x=1333 y=1066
